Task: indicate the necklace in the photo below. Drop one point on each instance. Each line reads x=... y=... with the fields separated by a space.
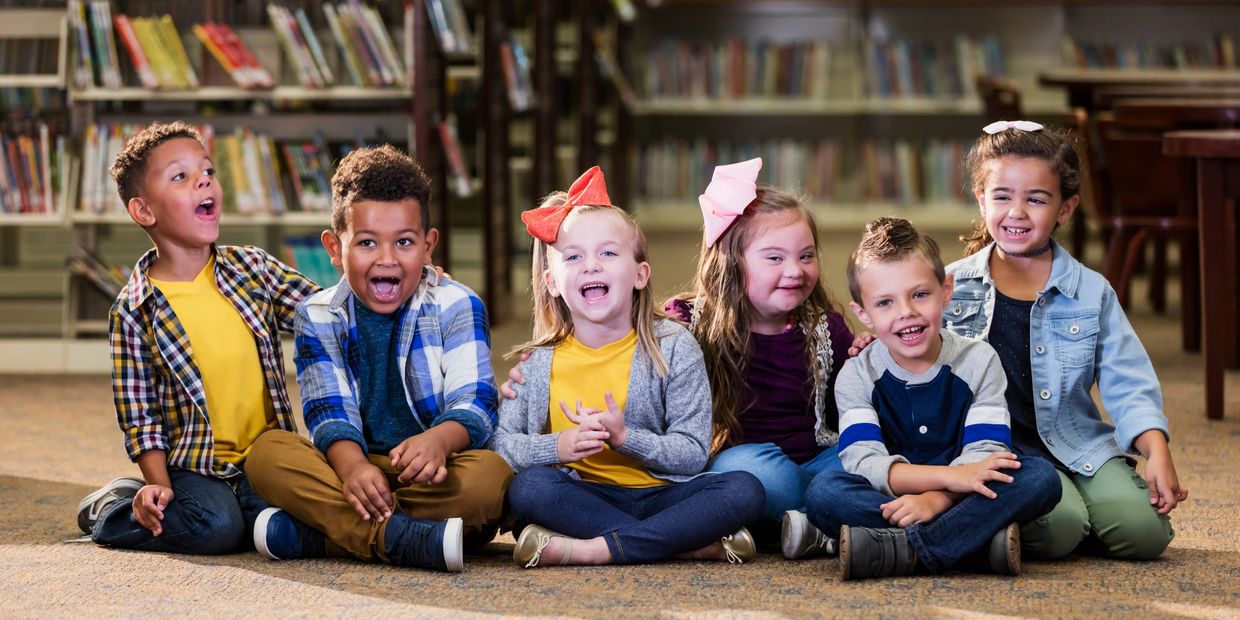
x=1030 y=254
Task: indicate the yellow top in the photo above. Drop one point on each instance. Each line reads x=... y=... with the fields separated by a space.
x=222 y=346
x=581 y=373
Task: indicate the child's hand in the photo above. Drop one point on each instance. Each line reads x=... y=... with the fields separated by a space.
x=149 y=505
x=859 y=343
x=972 y=478
x=1165 y=490
x=613 y=422
x=585 y=439
x=514 y=376
x=421 y=458
x=913 y=508
x=366 y=489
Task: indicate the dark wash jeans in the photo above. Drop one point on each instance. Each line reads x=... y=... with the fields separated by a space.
x=837 y=498
x=639 y=525
x=205 y=517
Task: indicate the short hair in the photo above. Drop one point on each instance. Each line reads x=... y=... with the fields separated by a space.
x=889 y=239
x=383 y=173
x=130 y=165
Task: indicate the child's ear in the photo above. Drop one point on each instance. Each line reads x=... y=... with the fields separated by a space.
x=549 y=282
x=432 y=239
x=861 y=314
x=643 y=275
x=1067 y=209
x=979 y=195
x=949 y=284
x=140 y=212
x=331 y=243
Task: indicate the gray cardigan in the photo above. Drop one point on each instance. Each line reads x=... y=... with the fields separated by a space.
x=668 y=417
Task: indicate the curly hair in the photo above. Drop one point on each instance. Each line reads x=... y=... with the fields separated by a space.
x=1055 y=147
x=130 y=165
x=383 y=173
x=889 y=239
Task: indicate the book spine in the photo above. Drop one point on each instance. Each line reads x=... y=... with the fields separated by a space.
x=172 y=40
x=349 y=59
x=372 y=47
x=130 y=40
x=316 y=50
x=391 y=60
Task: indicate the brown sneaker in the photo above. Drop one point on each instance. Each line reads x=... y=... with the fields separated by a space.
x=1003 y=552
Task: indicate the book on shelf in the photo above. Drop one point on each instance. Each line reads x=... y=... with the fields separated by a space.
x=733 y=68
x=306 y=254
x=517 y=81
x=153 y=48
x=910 y=68
x=609 y=67
x=227 y=48
x=361 y=41
x=1214 y=52
x=451 y=28
x=295 y=43
x=459 y=174
x=32 y=171
x=95 y=59
x=108 y=279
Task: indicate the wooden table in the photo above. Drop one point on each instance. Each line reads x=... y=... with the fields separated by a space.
x=1084 y=86
x=1216 y=113
x=1218 y=188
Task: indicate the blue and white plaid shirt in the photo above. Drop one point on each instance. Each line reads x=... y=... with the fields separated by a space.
x=446 y=370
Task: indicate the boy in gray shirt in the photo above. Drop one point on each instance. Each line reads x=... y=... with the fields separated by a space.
x=929 y=479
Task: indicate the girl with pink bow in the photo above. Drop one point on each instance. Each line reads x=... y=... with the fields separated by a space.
x=615 y=478
x=773 y=342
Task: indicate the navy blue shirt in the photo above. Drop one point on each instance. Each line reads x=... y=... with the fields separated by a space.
x=1010 y=338
x=387 y=418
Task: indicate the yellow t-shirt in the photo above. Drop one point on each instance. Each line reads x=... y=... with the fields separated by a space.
x=223 y=348
x=581 y=373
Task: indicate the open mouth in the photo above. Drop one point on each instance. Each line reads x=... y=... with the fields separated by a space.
x=593 y=291
x=1014 y=232
x=385 y=289
x=206 y=208
x=911 y=334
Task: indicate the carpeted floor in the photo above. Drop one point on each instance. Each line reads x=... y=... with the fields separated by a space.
x=59 y=441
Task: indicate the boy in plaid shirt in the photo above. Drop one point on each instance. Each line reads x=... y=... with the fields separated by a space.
x=197 y=371
x=397 y=392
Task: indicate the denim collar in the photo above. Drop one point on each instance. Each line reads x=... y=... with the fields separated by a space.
x=1065 y=270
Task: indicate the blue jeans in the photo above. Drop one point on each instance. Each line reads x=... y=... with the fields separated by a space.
x=639 y=525
x=783 y=479
x=206 y=516
x=835 y=499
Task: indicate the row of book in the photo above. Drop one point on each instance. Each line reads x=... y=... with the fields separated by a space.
x=931 y=69
x=109 y=279
x=259 y=175
x=736 y=68
x=31 y=171
x=365 y=48
x=155 y=51
x=306 y=254
x=1217 y=52
x=31 y=102
x=898 y=171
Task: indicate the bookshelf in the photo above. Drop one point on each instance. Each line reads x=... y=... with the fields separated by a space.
x=877 y=94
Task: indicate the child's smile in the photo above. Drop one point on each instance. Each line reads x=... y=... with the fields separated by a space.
x=383 y=252
x=902 y=301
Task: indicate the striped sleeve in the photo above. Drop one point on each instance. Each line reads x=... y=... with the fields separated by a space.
x=862 y=450
x=987 y=425
x=329 y=405
x=469 y=393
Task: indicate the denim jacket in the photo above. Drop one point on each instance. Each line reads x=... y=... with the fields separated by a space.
x=1078 y=336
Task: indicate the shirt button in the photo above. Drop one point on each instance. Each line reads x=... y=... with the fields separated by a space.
x=1050 y=441
x=1041 y=301
x=956 y=311
x=1040 y=349
x=1045 y=394
x=923 y=430
x=1089 y=467
x=1075 y=329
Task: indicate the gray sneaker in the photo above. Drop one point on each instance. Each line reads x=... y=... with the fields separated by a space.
x=800 y=539
x=89 y=509
x=1003 y=552
x=873 y=552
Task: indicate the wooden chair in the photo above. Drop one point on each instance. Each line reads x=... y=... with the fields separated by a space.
x=1000 y=98
x=1145 y=197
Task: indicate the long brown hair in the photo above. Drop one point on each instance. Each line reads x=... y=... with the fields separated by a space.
x=723 y=311
x=1055 y=147
x=553 y=323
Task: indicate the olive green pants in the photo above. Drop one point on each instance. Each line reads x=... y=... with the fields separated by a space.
x=1112 y=507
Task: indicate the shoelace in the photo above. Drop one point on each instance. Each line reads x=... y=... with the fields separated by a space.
x=727 y=548
x=543 y=541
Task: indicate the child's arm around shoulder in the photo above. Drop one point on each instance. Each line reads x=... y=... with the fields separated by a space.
x=682 y=445
x=286 y=286
x=520 y=436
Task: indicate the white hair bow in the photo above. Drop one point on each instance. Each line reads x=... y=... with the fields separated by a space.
x=998 y=126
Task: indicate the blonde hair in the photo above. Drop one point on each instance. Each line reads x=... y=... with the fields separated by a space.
x=723 y=312
x=1055 y=147
x=553 y=323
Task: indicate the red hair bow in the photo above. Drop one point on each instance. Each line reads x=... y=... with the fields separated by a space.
x=589 y=189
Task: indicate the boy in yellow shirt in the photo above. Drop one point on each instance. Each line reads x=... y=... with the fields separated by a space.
x=197 y=370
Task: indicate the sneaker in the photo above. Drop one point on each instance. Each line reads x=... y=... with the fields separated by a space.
x=530 y=544
x=89 y=509
x=872 y=552
x=422 y=543
x=279 y=536
x=800 y=539
x=739 y=547
x=1003 y=552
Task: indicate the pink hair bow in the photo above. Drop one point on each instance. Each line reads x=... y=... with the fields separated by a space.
x=731 y=189
x=998 y=126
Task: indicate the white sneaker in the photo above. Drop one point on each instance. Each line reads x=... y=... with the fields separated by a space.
x=91 y=506
x=800 y=539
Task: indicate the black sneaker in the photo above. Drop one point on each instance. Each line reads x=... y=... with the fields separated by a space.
x=1003 y=552
x=278 y=536
x=870 y=552
x=421 y=543
x=119 y=489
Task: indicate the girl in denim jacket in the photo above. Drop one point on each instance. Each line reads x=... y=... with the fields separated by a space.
x=1059 y=329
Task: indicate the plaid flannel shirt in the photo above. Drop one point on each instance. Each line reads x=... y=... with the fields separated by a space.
x=446 y=370
x=157 y=387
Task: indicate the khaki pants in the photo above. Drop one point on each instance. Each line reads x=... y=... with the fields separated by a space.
x=289 y=472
